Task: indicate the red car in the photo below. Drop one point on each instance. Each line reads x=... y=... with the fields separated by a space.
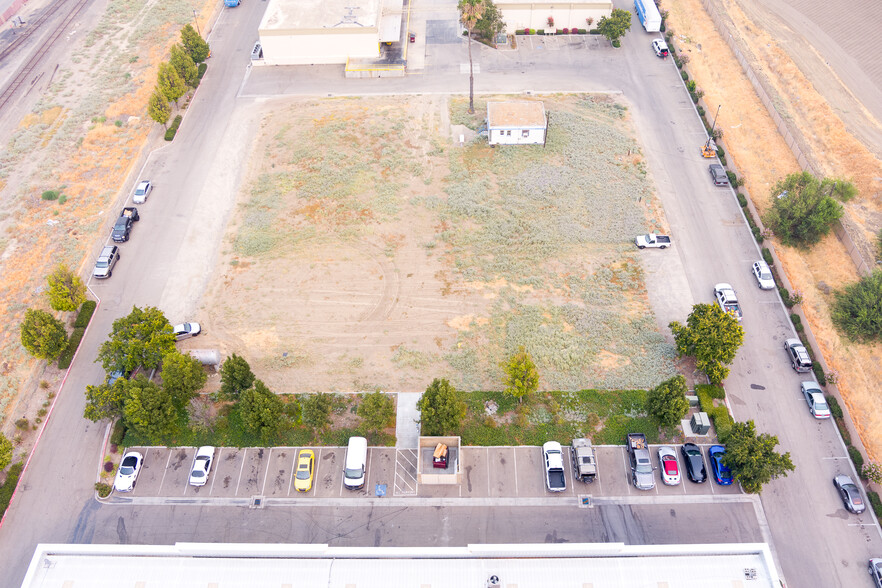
x=670 y=467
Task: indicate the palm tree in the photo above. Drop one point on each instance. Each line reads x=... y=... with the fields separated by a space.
x=470 y=12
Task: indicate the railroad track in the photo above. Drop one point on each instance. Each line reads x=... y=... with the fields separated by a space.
x=44 y=47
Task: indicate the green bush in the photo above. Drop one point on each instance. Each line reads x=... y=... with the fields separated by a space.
x=67 y=355
x=722 y=159
x=717 y=392
x=875 y=502
x=103 y=489
x=85 y=314
x=700 y=110
x=203 y=67
x=8 y=487
x=767 y=256
x=857 y=309
x=797 y=322
x=684 y=75
x=843 y=430
x=173 y=129
x=742 y=200
x=733 y=179
x=785 y=296
x=857 y=458
x=50 y=195
x=616 y=43
x=118 y=433
x=835 y=409
x=819 y=372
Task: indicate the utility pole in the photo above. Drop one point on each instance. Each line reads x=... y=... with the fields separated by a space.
x=197 y=22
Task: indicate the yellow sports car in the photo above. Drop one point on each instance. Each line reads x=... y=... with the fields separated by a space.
x=305 y=466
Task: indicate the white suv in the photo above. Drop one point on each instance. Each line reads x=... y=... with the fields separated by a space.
x=800 y=360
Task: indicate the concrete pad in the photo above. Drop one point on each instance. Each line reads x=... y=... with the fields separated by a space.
x=500 y=461
x=329 y=472
x=407 y=427
x=177 y=472
x=152 y=470
x=279 y=469
x=475 y=472
x=530 y=469
x=227 y=469
x=251 y=481
x=441 y=491
x=380 y=470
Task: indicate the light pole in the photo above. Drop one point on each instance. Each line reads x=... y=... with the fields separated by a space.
x=196 y=20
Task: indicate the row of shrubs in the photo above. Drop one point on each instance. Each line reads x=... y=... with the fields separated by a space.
x=723 y=421
x=8 y=487
x=82 y=321
x=560 y=32
x=173 y=129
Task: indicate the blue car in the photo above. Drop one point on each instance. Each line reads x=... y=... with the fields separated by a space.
x=722 y=474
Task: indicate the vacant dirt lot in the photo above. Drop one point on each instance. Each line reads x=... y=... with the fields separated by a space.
x=368 y=252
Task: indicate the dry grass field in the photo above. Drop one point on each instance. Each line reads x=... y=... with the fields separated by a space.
x=368 y=253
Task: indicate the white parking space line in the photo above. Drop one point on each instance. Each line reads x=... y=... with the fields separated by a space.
x=515 y=459
x=161 y=482
x=569 y=451
x=345 y=451
x=627 y=470
x=242 y=467
x=214 y=466
x=367 y=476
x=487 y=461
x=266 y=473
x=838 y=457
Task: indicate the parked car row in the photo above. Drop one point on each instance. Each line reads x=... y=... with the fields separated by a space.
x=121 y=232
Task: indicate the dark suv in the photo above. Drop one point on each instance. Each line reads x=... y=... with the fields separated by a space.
x=799 y=357
x=718 y=174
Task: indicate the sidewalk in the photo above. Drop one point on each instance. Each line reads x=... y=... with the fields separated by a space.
x=407 y=427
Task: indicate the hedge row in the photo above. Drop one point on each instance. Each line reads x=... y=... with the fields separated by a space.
x=8 y=487
x=85 y=314
x=203 y=67
x=560 y=32
x=723 y=421
x=67 y=355
x=173 y=129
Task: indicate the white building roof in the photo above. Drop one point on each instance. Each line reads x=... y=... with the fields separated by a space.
x=606 y=565
x=515 y=115
x=312 y=16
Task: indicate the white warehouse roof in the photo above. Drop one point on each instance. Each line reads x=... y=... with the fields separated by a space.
x=310 y=16
x=602 y=565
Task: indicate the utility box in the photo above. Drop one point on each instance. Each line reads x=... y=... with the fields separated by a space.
x=700 y=423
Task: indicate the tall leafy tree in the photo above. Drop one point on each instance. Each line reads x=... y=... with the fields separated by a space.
x=470 y=12
x=316 y=410
x=106 y=401
x=142 y=338
x=184 y=65
x=236 y=376
x=66 y=290
x=490 y=24
x=753 y=459
x=857 y=309
x=170 y=84
x=261 y=411
x=442 y=409
x=194 y=44
x=377 y=411
x=712 y=337
x=804 y=208
x=615 y=26
x=182 y=377
x=150 y=411
x=521 y=375
x=158 y=107
x=667 y=401
x=42 y=334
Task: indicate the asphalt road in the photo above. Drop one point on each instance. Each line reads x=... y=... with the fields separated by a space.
x=816 y=542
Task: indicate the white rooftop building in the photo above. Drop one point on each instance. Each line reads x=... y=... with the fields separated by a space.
x=211 y=565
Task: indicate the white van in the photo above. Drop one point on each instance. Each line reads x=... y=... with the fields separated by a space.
x=356 y=460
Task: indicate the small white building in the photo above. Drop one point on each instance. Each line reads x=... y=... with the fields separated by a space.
x=525 y=14
x=309 y=32
x=516 y=123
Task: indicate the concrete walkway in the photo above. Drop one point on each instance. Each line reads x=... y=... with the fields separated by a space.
x=407 y=429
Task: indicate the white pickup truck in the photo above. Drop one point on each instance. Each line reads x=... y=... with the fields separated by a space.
x=652 y=240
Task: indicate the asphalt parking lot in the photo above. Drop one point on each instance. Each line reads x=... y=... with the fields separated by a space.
x=487 y=472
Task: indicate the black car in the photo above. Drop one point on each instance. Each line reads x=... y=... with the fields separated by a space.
x=694 y=463
x=718 y=174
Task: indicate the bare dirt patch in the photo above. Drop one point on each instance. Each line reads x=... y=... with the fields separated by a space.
x=368 y=253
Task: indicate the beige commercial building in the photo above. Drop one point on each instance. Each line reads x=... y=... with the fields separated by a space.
x=524 y=14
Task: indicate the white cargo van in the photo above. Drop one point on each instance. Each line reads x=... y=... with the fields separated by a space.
x=356 y=459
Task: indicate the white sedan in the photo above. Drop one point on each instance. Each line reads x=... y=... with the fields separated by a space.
x=763 y=275
x=142 y=191
x=814 y=397
x=670 y=468
x=201 y=465
x=127 y=474
x=186 y=330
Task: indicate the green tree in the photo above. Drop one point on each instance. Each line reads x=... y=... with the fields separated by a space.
x=470 y=12
x=442 y=409
x=105 y=401
x=753 y=459
x=182 y=377
x=490 y=24
x=857 y=309
x=616 y=25
x=712 y=337
x=804 y=209
x=667 y=401
x=377 y=411
x=66 y=290
x=150 y=411
x=42 y=334
x=158 y=107
x=316 y=409
x=236 y=376
x=170 y=84
x=261 y=411
x=5 y=452
x=521 y=376
x=142 y=338
x=194 y=44
x=184 y=65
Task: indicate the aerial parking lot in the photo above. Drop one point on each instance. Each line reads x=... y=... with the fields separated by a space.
x=244 y=474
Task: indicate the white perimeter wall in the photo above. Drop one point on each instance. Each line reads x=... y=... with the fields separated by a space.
x=281 y=48
x=566 y=16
